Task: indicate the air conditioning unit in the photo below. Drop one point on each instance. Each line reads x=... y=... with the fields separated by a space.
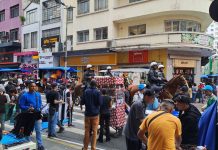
x=111 y=43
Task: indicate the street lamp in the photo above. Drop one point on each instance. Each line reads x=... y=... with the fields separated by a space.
x=65 y=58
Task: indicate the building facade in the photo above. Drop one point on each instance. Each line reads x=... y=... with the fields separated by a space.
x=213 y=31
x=10 y=32
x=30 y=37
x=133 y=33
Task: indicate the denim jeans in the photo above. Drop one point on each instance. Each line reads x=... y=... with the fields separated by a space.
x=52 y=122
x=38 y=129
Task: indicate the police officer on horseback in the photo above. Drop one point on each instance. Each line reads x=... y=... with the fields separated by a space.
x=108 y=72
x=153 y=78
x=88 y=75
x=161 y=75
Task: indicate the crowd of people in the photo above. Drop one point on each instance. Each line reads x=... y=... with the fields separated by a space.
x=143 y=129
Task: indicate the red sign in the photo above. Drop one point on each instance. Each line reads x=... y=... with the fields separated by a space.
x=138 y=57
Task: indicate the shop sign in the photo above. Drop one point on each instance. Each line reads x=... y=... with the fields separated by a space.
x=45 y=60
x=138 y=57
x=200 y=39
x=182 y=63
x=49 y=41
x=84 y=60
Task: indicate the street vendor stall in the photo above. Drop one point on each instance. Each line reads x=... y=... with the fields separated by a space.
x=115 y=88
x=135 y=75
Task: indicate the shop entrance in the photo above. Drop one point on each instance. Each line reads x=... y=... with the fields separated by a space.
x=188 y=73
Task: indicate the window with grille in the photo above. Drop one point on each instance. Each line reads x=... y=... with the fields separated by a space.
x=51 y=12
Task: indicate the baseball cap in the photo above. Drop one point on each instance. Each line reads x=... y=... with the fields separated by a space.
x=208 y=88
x=149 y=92
x=141 y=87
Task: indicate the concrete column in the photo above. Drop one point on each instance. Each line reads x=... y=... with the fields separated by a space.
x=169 y=68
x=197 y=72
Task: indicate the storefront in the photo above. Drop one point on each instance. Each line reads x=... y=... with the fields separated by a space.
x=189 y=67
x=28 y=61
x=99 y=61
x=141 y=58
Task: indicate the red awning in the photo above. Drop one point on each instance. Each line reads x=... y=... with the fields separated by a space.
x=31 y=53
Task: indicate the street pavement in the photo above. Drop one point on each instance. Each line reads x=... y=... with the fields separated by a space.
x=72 y=137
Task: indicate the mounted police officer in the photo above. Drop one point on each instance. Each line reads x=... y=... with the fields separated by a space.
x=153 y=78
x=108 y=72
x=161 y=74
x=88 y=75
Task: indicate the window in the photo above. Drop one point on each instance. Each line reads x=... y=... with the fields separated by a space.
x=131 y=1
x=83 y=36
x=182 y=25
x=51 y=12
x=2 y=15
x=70 y=14
x=14 y=11
x=83 y=6
x=26 y=40
x=51 y=32
x=14 y=34
x=101 y=4
x=34 y=40
x=137 y=30
x=31 y=17
x=101 y=33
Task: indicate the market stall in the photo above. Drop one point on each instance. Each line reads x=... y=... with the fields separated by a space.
x=115 y=88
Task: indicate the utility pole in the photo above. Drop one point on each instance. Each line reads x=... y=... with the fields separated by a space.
x=65 y=57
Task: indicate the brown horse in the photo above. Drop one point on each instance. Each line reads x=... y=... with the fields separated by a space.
x=78 y=92
x=169 y=89
x=172 y=86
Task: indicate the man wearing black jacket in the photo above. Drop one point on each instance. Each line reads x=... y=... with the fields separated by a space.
x=189 y=116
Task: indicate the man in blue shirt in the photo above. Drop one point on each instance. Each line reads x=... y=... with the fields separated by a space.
x=92 y=100
x=31 y=102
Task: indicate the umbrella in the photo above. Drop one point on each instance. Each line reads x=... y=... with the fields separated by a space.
x=207 y=127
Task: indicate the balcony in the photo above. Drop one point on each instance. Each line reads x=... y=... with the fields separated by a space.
x=183 y=41
x=153 y=8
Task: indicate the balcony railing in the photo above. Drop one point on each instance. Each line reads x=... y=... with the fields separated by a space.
x=164 y=40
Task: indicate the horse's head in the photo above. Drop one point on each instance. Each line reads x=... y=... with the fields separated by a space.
x=175 y=83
